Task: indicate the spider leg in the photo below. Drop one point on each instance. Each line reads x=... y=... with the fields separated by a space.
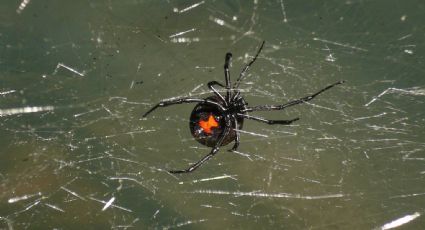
x=238 y=136
x=245 y=69
x=182 y=101
x=197 y=164
x=209 y=155
x=270 y=122
x=291 y=103
x=211 y=87
x=227 y=61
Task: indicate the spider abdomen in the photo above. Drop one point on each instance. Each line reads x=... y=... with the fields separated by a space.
x=207 y=122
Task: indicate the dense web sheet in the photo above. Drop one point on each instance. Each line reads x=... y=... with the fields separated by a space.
x=76 y=77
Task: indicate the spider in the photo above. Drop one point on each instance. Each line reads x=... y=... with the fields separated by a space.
x=216 y=120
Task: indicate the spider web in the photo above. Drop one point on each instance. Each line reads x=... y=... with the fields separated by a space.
x=76 y=77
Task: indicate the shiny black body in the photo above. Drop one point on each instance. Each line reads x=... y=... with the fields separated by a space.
x=229 y=110
x=202 y=111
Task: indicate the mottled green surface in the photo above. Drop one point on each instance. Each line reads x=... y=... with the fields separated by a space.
x=75 y=77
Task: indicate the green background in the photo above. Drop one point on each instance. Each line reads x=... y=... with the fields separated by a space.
x=88 y=70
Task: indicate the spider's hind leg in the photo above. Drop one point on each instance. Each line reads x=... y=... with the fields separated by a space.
x=237 y=137
x=197 y=164
x=214 y=150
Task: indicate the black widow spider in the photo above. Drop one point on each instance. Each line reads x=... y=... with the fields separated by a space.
x=216 y=120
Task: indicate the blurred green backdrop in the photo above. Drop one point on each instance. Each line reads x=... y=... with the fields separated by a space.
x=76 y=76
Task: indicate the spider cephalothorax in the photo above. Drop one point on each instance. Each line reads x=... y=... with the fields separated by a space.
x=216 y=120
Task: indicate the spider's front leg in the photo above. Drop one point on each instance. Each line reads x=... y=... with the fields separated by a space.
x=211 y=85
x=291 y=103
x=267 y=121
x=227 y=60
x=245 y=69
x=214 y=150
x=182 y=101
